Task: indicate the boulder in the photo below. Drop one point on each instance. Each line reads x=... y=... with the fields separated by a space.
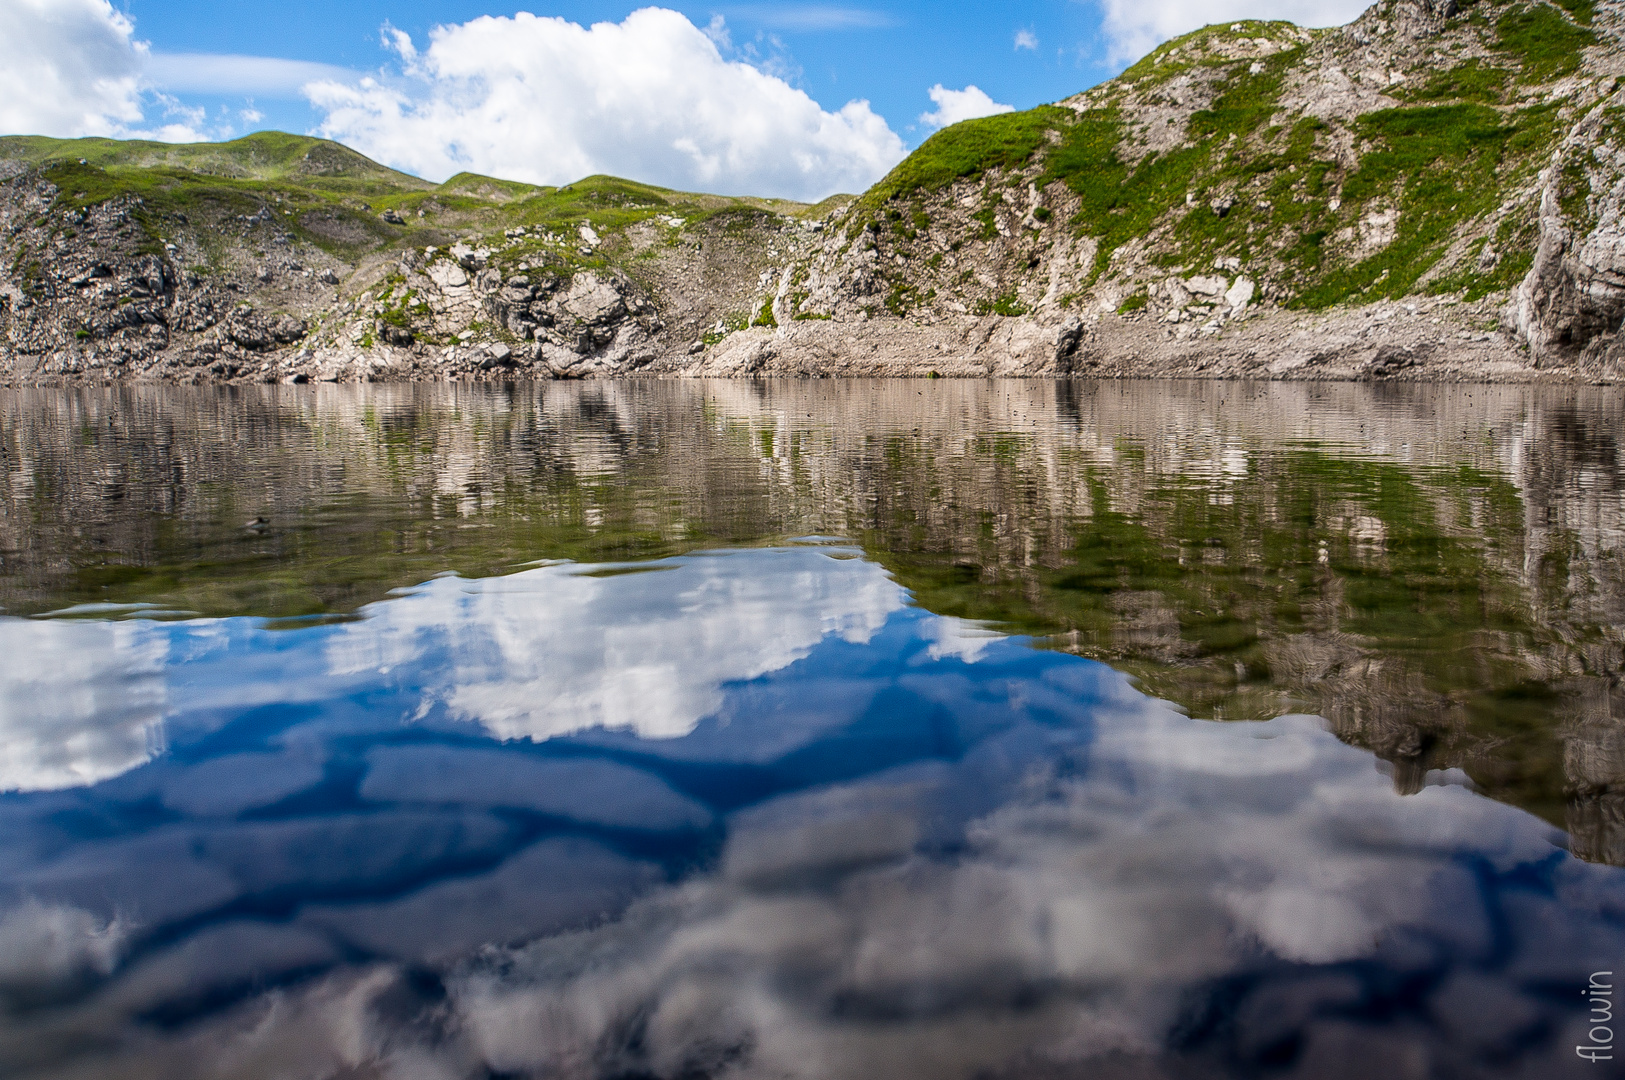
x=448 y=275
x=593 y=300
x=1240 y=294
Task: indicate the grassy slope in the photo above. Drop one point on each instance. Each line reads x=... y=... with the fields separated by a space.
x=332 y=196
x=269 y=156
x=1445 y=160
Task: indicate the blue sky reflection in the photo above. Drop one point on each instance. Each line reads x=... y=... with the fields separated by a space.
x=751 y=814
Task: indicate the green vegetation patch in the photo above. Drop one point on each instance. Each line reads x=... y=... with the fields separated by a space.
x=1007 y=305
x=1574 y=192
x=1135 y=302
x=1472 y=81
x=81 y=186
x=402 y=307
x=1120 y=202
x=729 y=325
x=265 y=156
x=1544 y=39
x=329 y=196
x=1442 y=166
x=1244 y=185
x=969 y=148
x=1184 y=53
x=490 y=188
x=1582 y=10
x=765 y=316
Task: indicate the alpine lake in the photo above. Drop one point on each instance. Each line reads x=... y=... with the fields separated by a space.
x=812 y=729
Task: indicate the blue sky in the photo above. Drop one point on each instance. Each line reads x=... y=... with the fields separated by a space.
x=888 y=54
x=791 y=99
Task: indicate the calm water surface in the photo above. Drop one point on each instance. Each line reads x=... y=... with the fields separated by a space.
x=811 y=729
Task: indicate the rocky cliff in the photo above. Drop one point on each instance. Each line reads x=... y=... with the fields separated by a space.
x=1433 y=191
x=278 y=258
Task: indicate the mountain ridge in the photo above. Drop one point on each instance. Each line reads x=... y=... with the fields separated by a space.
x=1432 y=191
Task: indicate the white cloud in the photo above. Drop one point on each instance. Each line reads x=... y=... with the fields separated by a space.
x=71 y=68
x=813 y=17
x=956 y=105
x=1026 y=39
x=68 y=68
x=1135 y=27
x=651 y=98
x=717 y=30
x=211 y=73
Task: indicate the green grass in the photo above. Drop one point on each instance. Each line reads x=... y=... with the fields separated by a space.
x=1472 y=81
x=1007 y=305
x=1120 y=203
x=1135 y=302
x=330 y=196
x=1548 y=43
x=269 y=155
x=1184 y=53
x=1573 y=192
x=969 y=148
x=730 y=325
x=1582 y=10
x=765 y=316
x=825 y=208
x=490 y=188
x=1443 y=166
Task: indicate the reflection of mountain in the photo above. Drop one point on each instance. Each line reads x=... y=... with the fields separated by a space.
x=1438 y=570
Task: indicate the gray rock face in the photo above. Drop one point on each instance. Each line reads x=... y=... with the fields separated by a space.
x=593 y=301
x=1068 y=341
x=1443 y=9
x=1571 y=306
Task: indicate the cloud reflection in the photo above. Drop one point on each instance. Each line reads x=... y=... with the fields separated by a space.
x=80 y=701
x=553 y=650
x=840 y=837
x=1081 y=921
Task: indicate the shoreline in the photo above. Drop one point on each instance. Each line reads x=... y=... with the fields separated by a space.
x=1430 y=340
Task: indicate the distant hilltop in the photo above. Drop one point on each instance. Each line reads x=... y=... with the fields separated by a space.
x=1431 y=192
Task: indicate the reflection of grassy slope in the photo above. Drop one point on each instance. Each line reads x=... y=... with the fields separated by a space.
x=354 y=513
x=1239 y=597
x=1235 y=579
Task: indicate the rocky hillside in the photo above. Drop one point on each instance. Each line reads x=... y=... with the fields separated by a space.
x=1433 y=191
x=1437 y=184
x=279 y=258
